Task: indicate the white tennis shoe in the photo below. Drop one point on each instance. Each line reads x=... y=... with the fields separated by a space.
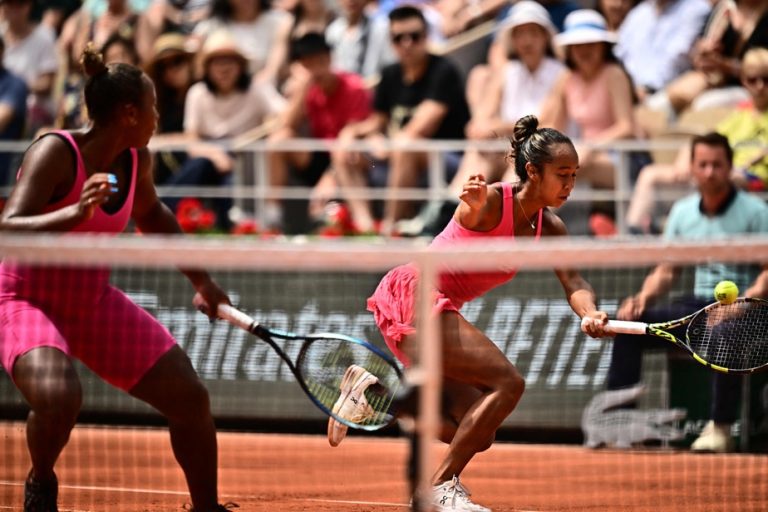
x=714 y=438
x=351 y=404
x=451 y=496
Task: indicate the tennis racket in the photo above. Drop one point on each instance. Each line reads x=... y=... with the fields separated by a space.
x=348 y=379
x=729 y=338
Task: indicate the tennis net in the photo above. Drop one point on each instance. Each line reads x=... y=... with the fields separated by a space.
x=273 y=451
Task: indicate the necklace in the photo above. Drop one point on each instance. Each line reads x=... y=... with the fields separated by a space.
x=530 y=222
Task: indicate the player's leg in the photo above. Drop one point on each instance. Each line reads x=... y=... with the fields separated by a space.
x=49 y=383
x=458 y=398
x=471 y=359
x=173 y=387
x=131 y=350
x=35 y=353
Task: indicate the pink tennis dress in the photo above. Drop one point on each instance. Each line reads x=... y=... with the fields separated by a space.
x=393 y=302
x=75 y=309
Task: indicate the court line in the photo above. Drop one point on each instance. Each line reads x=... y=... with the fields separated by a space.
x=379 y=503
x=106 y=488
x=354 y=502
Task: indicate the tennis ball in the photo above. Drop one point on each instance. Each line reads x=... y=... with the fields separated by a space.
x=726 y=292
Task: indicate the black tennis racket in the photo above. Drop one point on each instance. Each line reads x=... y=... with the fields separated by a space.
x=729 y=338
x=348 y=379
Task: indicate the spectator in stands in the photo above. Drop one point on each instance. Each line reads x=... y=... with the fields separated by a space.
x=261 y=33
x=168 y=16
x=558 y=10
x=595 y=97
x=520 y=89
x=655 y=40
x=118 y=48
x=83 y=27
x=225 y=104
x=419 y=97
x=498 y=52
x=718 y=209
x=30 y=53
x=360 y=42
x=434 y=16
x=310 y=16
x=326 y=101
x=13 y=114
x=714 y=80
x=747 y=132
x=615 y=12
x=171 y=70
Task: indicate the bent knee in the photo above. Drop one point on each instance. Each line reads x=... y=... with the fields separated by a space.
x=512 y=385
x=60 y=402
x=191 y=400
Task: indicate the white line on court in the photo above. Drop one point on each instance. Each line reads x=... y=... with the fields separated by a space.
x=380 y=504
x=353 y=502
x=106 y=488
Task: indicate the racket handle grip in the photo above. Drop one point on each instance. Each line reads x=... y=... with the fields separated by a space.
x=235 y=316
x=624 y=327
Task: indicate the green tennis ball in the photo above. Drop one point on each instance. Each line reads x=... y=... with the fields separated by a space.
x=726 y=292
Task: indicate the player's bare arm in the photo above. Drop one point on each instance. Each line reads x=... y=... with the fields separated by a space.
x=48 y=174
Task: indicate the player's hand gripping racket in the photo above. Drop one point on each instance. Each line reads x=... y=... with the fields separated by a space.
x=730 y=338
x=349 y=379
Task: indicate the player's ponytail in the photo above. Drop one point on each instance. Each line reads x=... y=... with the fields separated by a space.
x=531 y=144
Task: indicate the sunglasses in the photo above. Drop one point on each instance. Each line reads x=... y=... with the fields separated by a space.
x=401 y=37
x=753 y=81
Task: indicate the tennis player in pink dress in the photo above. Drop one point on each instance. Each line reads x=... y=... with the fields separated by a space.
x=97 y=180
x=481 y=386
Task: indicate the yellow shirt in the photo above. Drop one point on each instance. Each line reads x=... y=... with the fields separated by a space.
x=747 y=131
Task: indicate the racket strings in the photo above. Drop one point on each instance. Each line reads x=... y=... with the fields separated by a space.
x=734 y=336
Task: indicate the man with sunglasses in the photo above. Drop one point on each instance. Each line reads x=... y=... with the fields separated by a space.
x=421 y=96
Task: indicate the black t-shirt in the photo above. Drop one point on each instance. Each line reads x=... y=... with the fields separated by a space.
x=442 y=82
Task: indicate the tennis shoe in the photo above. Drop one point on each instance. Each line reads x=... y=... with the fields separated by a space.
x=40 y=496
x=716 y=437
x=451 y=496
x=351 y=404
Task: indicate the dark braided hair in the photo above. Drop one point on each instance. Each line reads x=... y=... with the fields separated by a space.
x=532 y=144
x=108 y=87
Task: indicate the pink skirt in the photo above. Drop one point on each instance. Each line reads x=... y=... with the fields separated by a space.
x=393 y=306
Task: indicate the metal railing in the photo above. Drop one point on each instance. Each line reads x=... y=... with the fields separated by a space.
x=251 y=183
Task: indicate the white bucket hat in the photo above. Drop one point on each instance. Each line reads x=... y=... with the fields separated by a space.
x=584 y=26
x=528 y=11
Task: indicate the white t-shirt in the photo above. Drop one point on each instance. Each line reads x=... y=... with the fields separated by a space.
x=524 y=92
x=211 y=116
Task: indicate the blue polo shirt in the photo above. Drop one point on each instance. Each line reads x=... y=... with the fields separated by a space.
x=742 y=214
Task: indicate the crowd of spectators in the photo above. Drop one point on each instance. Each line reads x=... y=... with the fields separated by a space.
x=377 y=71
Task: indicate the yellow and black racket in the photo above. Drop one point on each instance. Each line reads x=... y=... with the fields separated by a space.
x=729 y=338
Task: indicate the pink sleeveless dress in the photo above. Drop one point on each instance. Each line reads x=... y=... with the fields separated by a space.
x=75 y=309
x=393 y=302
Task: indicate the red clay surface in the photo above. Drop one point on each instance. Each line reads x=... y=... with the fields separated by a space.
x=133 y=470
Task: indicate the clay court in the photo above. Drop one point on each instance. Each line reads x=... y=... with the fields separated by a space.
x=129 y=469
